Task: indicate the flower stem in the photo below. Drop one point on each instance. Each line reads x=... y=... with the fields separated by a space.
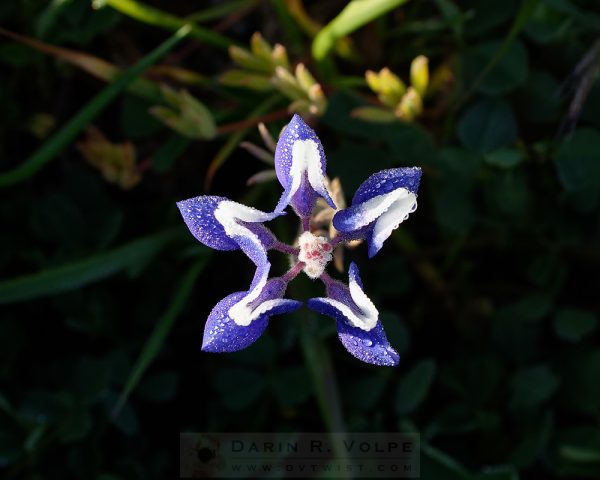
x=306 y=224
x=327 y=280
x=321 y=370
x=285 y=248
x=292 y=272
x=335 y=241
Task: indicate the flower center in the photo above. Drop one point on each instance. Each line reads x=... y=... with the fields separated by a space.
x=315 y=253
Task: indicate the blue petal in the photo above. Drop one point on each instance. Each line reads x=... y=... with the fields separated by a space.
x=370 y=347
x=386 y=181
x=351 y=221
x=265 y=235
x=354 y=275
x=380 y=204
x=300 y=192
x=222 y=334
x=199 y=216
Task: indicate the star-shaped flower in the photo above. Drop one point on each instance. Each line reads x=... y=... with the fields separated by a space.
x=380 y=204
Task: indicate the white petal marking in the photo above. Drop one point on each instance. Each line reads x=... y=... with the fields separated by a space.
x=394 y=216
x=228 y=214
x=373 y=208
x=306 y=158
x=369 y=313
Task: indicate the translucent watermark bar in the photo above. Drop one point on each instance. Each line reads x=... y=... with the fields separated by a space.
x=299 y=455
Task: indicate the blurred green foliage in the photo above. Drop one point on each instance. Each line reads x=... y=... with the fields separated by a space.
x=489 y=292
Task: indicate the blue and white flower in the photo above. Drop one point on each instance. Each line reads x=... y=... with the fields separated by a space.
x=381 y=203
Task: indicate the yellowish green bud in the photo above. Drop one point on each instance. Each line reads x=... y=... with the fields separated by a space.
x=419 y=74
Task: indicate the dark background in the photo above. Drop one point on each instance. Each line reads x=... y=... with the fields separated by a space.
x=489 y=291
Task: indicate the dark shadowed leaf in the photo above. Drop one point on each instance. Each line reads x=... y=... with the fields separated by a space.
x=487 y=125
x=508 y=73
x=573 y=325
x=414 y=386
x=239 y=387
x=291 y=385
x=533 y=386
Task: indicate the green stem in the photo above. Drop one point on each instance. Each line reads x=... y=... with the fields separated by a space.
x=235 y=139
x=525 y=12
x=158 y=336
x=158 y=18
x=219 y=11
x=321 y=370
x=86 y=115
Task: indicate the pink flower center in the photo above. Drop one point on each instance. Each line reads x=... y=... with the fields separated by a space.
x=315 y=253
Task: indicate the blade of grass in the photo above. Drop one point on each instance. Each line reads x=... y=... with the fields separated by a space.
x=162 y=328
x=235 y=139
x=82 y=119
x=83 y=272
x=322 y=373
x=47 y=18
x=219 y=11
x=159 y=18
x=95 y=66
x=525 y=12
x=354 y=15
x=290 y=25
x=164 y=158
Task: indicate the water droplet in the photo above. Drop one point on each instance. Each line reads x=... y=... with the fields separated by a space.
x=366 y=342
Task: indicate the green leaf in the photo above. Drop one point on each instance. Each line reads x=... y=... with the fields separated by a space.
x=577 y=164
x=500 y=472
x=365 y=393
x=374 y=115
x=83 y=272
x=159 y=387
x=239 y=387
x=579 y=454
x=414 y=386
x=354 y=15
x=534 y=439
x=454 y=209
x=87 y=114
x=505 y=158
x=576 y=453
x=485 y=16
x=474 y=378
x=537 y=101
x=166 y=155
x=437 y=465
x=155 y=341
x=533 y=386
x=573 y=325
x=534 y=306
x=91 y=380
x=509 y=193
x=395 y=328
x=487 y=126
x=509 y=71
x=291 y=385
x=75 y=426
x=547 y=25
